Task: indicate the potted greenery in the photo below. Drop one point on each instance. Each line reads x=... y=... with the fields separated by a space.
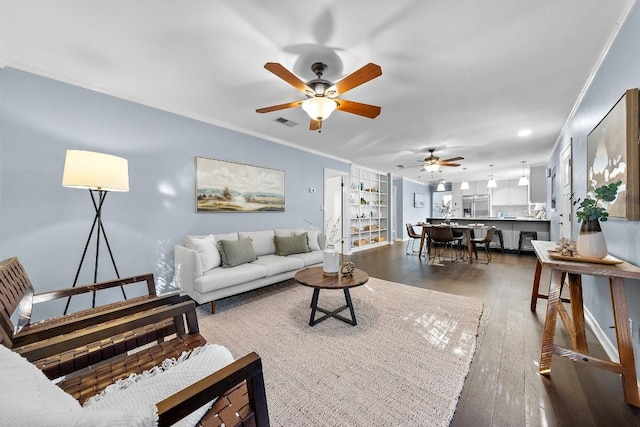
x=591 y=212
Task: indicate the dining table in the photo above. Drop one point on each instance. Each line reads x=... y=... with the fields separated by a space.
x=468 y=231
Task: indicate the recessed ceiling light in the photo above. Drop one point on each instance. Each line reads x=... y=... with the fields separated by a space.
x=525 y=132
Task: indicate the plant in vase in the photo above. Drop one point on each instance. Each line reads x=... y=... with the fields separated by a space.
x=330 y=256
x=447 y=211
x=592 y=211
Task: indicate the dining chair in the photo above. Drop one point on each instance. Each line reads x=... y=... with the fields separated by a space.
x=413 y=236
x=484 y=242
x=441 y=236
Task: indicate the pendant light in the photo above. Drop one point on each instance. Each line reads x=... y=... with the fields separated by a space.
x=440 y=186
x=492 y=182
x=464 y=185
x=523 y=180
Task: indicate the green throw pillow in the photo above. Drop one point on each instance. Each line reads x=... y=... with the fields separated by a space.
x=291 y=245
x=236 y=252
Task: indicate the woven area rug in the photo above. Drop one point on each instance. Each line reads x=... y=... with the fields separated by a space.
x=404 y=364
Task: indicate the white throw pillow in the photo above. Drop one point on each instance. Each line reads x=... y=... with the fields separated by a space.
x=207 y=249
x=313 y=239
x=287 y=232
x=262 y=241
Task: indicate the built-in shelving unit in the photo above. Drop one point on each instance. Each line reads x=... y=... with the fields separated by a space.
x=368 y=203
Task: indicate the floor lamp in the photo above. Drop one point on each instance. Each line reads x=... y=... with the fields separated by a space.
x=99 y=173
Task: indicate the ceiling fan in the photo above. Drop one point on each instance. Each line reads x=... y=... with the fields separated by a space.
x=322 y=95
x=433 y=163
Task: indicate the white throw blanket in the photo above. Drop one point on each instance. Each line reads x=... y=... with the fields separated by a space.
x=30 y=398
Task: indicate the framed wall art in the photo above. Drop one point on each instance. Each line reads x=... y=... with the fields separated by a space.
x=418 y=200
x=223 y=186
x=612 y=155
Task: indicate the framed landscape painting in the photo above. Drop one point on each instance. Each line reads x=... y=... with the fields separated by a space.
x=418 y=200
x=235 y=187
x=612 y=155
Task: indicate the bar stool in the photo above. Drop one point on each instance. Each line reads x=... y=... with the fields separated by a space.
x=531 y=235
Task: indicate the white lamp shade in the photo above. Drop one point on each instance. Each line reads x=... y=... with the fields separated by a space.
x=440 y=186
x=431 y=167
x=464 y=185
x=523 y=181
x=492 y=183
x=95 y=171
x=319 y=107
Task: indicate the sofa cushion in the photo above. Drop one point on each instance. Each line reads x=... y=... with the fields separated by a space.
x=219 y=278
x=262 y=241
x=287 y=232
x=312 y=239
x=310 y=258
x=291 y=245
x=237 y=252
x=207 y=250
x=276 y=264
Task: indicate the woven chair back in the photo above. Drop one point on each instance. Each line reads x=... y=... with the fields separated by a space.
x=14 y=285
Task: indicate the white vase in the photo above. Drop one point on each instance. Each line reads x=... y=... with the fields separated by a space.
x=330 y=261
x=591 y=243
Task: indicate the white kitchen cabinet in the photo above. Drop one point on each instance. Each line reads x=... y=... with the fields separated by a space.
x=538 y=184
x=509 y=193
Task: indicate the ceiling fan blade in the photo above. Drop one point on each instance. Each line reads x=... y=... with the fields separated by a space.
x=315 y=125
x=409 y=167
x=365 y=110
x=289 y=77
x=453 y=159
x=449 y=164
x=358 y=77
x=279 y=107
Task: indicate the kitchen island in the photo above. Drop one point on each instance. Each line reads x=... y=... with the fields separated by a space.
x=510 y=226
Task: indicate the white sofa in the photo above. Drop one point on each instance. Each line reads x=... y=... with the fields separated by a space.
x=200 y=270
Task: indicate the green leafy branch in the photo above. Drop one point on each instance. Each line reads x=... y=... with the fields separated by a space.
x=591 y=209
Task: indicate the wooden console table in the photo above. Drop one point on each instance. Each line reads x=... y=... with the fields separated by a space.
x=574 y=323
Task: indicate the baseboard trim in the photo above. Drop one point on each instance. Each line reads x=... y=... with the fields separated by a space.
x=610 y=348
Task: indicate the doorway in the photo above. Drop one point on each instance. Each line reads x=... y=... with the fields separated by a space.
x=565 y=192
x=334 y=205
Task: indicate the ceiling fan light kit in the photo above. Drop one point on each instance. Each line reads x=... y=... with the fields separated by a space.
x=431 y=167
x=319 y=108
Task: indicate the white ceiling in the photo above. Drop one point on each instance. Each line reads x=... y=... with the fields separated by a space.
x=461 y=76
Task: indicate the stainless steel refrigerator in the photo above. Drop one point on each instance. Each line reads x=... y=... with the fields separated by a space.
x=475 y=206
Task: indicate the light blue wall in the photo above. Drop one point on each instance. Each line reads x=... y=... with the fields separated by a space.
x=46 y=225
x=410 y=214
x=619 y=72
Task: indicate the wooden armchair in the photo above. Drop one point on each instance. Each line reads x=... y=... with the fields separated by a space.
x=89 y=350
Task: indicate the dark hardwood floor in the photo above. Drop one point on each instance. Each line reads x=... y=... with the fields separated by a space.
x=503 y=387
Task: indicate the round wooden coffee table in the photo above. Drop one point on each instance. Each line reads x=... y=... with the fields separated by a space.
x=314 y=278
